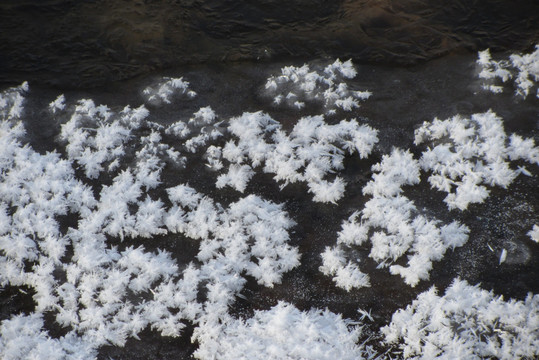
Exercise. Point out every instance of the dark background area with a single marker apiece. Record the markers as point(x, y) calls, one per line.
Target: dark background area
point(72, 43)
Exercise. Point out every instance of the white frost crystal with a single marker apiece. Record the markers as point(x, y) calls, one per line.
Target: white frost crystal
point(534, 233)
point(12, 102)
point(392, 223)
point(164, 90)
point(198, 130)
point(23, 337)
point(311, 151)
point(326, 86)
point(58, 104)
point(284, 332)
point(95, 136)
point(250, 235)
point(466, 323)
point(470, 154)
point(523, 68)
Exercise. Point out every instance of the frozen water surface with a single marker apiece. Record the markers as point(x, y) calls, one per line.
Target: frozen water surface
point(272, 210)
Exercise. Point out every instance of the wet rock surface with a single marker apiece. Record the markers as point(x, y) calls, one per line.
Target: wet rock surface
point(91, 43)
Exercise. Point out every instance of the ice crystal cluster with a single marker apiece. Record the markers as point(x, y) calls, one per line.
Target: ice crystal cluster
point(311, 151)
point(297, 85)
point(534, 233)
point(284, 332)
point(104, 294)
point(469, 153)
point(466, 323)
point(23, 338)
point(76, 225)
point(166, 89)
point(394, 226)
point(198, 131)
point(466, 156)
point(95, 137)
point(522, 68)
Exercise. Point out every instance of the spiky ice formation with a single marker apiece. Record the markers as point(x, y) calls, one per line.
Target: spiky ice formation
point(311, 151)
point(466, 323)
point(297, 85)
point(469, 153)
point(394, 226)
point(523, 68)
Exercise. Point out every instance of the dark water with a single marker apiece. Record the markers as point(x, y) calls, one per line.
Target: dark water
point(91, 43)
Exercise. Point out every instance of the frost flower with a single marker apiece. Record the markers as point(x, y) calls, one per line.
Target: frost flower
point(466, 323)
point(393, 225)
point(469, 154)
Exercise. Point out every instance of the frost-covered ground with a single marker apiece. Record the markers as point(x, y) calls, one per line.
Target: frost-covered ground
point(272, 211)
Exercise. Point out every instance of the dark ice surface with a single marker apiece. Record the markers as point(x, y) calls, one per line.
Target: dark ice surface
point(403, 97)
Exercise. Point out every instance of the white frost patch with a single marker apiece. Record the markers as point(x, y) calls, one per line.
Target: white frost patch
point(466, 323)
point(534, 233)
point(198, 131)
point(237, 177)
point(95, 136)
point(297, 85)
point(283, 332)
point(23, 337)
point(524, 69)
point(58, 104)
point(97, 139)
point(308, 154)
point(12, 102)
point(166, 89)
point(251, 235)
point(392, 223)
point(469, 154)
point(103, 293)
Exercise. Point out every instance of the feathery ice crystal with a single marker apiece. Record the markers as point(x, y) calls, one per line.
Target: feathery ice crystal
point(469, 153)
point(198, 131)
point(296, 85)
point(523, 68)
point(96, 137)
point(311, 151)
point(23, 338)
point(162, 92)
point(392, 223)
point(466, 323)
point(12, 102)
point(284, 332)
point(534, 233)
